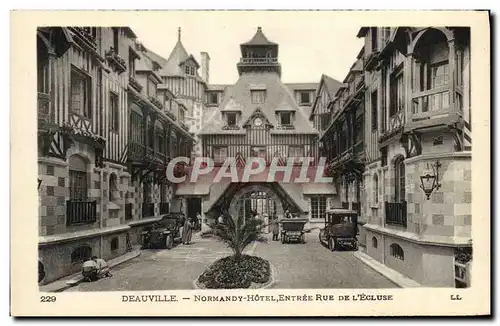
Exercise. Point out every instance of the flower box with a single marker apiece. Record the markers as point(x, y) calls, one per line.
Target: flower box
point(116, 61)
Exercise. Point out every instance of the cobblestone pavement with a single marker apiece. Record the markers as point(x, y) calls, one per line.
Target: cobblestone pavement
point(297, 266)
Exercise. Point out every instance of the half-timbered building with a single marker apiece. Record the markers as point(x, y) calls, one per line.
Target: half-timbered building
point(83, 75)
point(417, 128)
point(343, 138)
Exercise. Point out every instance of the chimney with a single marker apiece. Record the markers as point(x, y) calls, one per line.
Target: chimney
point(205, 66)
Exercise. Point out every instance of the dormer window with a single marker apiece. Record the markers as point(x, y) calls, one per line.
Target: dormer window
point(231, 118)
point(258, 96)
point(190, 70)
point(213, 98)
point(285, 118)
point(305, 98)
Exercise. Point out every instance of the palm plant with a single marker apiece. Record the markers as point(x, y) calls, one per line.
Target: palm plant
point(238, 233)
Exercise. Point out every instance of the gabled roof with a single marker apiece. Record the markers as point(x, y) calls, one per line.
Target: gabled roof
point(331, 86)
point(259, 39)
point(277, 96)
point(173, 65)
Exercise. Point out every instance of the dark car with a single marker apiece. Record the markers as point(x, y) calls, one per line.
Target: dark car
point(164, 233)
point(340, 229)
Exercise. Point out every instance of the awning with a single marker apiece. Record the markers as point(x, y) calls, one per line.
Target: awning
point(192, 189)
point(319, 188)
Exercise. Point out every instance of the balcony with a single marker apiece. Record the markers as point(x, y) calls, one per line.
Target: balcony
point(115, 60)
point(170, 115)
point(258, 61)
point(372, 60)
point(184, 126)
point(148, 210)
point(434, 107)
point(396, 123)
point(81, 212)
point(156, 102)
point(136, 152)
point(395, 213)
point(134, 84)
point(84, 35)
point(128, 212)
point(164, 208)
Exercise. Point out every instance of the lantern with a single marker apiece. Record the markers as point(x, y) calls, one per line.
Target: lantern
point(430, 179)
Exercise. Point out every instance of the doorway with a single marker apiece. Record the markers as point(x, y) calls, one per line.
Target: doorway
point(193, 208)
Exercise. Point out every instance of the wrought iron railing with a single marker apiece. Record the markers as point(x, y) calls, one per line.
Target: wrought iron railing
point(257, 61)
point(128, 211)
point(395, 213)
point(81, 212)
point(148, 209)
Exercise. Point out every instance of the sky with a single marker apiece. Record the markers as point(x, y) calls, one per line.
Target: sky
point(310, 43)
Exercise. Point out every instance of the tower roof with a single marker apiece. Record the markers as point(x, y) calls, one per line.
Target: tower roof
point(259, 39)
point(178, 56)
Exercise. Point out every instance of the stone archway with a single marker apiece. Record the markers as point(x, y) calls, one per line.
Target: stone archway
point(265, 192)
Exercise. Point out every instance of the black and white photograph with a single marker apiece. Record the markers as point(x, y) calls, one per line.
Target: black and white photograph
point(189, 153)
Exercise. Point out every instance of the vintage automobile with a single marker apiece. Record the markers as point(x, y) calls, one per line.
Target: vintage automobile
point(292, 229)
point(340, 229)
point(164, 233)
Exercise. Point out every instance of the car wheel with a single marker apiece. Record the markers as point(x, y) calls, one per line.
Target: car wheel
point(169, 242)
point(332, 244)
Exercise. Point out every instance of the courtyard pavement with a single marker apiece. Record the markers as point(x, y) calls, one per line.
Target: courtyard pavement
point(297, 266)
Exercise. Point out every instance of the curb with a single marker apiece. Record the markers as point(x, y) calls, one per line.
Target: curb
point(267, 285)
point(76, 279)
point(393, 276)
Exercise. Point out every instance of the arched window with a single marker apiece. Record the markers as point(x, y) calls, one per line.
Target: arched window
point(81, 254)
point(397, 252)
point(374, 242)
point(399, 169)
point(114, 244)
point(113, 187)
point(77, 178)
point(375, 189)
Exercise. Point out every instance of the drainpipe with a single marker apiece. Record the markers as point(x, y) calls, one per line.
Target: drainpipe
point(101, 211)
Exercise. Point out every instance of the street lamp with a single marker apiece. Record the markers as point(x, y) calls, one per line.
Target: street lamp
point(430, 179)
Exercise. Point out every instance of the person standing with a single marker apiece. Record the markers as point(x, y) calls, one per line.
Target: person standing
point(187, 232)
point(275, 229)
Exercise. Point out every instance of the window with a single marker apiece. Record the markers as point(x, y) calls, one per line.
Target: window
point(189, 70)
point(397, 252)
point(374, 39)
point(146, 192)
point(131, 64)
point(305, 98)
point(42, 67)
point(358, 129)
point(231, 118)
point(346, 188)
point(113, 111)
point(399, 169)
point(182, 114)
point(220, 155)
point(383, 101)
point(285, 118)
point(80, 93)
point(374, 242)
point(151, 88)
point(116, 45)
point(375, 189)
point(374, 103)
point(258, 97)
point(213, 98)
point(114, 244)
point(77, 178)
point(81, 254)
point(113, 187)
point(325, 120)
point(318, 207)
point(397, 92)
